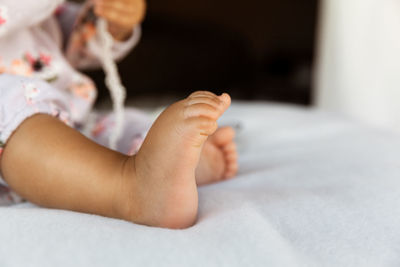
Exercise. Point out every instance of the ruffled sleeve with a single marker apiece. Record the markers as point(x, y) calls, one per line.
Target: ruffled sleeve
point(18, 14)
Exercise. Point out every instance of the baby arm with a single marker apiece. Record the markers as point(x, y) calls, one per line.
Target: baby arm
point(123, 17)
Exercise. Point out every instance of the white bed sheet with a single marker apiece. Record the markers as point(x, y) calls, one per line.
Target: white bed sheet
point(313, 190)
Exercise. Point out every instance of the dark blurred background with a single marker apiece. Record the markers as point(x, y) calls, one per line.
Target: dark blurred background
point(254, 49)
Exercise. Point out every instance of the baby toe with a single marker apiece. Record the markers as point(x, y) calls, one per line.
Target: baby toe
point(223, 137)
point(231, 170)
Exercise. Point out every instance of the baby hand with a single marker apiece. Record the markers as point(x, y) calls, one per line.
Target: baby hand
point(122, 15)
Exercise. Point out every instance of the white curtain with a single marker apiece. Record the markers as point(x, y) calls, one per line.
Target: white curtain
point(358, 60)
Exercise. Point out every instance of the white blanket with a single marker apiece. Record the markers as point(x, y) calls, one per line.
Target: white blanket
point(313, 190)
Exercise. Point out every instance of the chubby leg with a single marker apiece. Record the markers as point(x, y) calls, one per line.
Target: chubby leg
point(52, 165)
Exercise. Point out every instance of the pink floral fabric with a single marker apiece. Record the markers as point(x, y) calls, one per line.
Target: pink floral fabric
point(136, 125)
point(32, 41)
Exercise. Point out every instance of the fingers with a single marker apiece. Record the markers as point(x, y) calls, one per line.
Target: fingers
point(124, 13)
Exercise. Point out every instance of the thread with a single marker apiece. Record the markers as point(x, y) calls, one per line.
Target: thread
point(112, 81)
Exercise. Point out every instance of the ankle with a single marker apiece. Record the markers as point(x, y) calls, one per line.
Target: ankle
point(122, 200)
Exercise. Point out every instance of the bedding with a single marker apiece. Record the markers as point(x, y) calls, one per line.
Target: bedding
point(314, 189)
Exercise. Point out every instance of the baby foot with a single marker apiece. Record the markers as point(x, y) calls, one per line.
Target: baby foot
point(218, 160)
point(160, 178)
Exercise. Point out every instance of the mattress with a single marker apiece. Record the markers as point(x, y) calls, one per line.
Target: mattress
point(314, 189)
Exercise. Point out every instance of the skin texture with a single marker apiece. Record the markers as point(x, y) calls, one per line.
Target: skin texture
point(55, 166)
point(122, 15)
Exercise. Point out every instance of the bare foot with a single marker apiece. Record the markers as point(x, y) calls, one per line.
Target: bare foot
point(160, 178)
point(218, 159)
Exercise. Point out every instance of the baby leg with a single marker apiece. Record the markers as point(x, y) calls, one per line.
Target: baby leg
point(55, 166)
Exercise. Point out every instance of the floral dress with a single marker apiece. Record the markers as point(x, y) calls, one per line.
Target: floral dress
point(43, 44)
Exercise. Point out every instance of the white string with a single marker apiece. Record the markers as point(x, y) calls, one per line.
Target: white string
point(112, 81)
